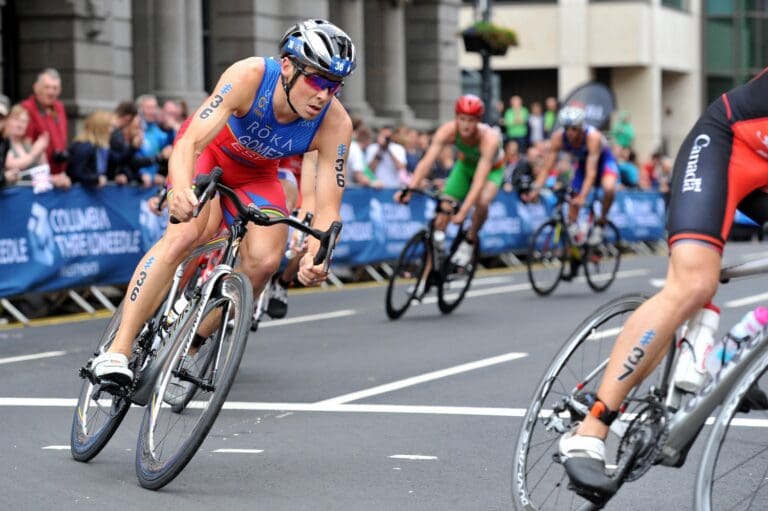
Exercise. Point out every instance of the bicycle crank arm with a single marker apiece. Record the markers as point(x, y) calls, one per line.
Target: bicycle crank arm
point(199, 382)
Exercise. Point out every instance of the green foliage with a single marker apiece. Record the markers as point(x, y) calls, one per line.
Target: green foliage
point(496, 37)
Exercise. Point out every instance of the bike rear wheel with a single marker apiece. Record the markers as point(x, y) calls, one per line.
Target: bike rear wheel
point(406, 279)
point(733, 470)
point(547, 254)
point(539, 482)
point(601, 261)
point(97, 414)
point(168, 440)
point(456, 279)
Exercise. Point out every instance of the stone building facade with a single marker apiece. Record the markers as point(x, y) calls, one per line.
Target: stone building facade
point(112, 50)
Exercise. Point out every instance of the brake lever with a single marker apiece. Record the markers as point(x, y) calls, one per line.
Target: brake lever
point(327, 246)
point(210, 188)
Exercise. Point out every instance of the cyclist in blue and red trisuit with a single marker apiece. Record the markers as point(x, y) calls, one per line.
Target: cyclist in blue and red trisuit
point(721, 165)
point(596, 166)
point(262, 109)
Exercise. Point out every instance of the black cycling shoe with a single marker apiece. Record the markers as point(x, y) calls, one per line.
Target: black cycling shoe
point(277, 305)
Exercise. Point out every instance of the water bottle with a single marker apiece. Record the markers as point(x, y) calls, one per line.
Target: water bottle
point(696, 345)
point(749, 326)
point(177, 308)
point(438, 242)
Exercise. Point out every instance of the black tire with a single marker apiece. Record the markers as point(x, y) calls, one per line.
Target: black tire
point(407, 275)
point(733, 468)
point(180, 435)
point(455, 280)
point(547, 254)
point(601, 261)
point(94, 422)
point(539, 482)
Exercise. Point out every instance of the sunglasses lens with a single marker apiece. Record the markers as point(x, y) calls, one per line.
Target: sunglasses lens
point(318, 82)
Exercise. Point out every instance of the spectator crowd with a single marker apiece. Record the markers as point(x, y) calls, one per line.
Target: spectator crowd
point(132, 144)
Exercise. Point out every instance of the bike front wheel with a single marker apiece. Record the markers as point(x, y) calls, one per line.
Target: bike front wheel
point(407, 280)
point(547, 254)
point(97, 414)
point(601, 260)
point(562, 400)
point(456, 278)
point(174, 427)
point(733, 470)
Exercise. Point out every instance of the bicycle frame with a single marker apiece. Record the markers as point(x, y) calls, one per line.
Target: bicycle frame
point(686, 422)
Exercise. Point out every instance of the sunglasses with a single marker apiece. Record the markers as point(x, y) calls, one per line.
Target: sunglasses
point(319, 82)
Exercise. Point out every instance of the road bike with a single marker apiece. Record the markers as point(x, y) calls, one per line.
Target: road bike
point(553, 256)
point(421, 266)
point(657, 424)
point(180, 377)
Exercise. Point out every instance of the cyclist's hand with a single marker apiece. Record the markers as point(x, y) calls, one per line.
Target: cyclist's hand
point(459, 217)
point(295, 246)
point(531, 195)
point(577, 201)
point(401, 197)
point(309, 273)
point(182, 203)
point(153, 203)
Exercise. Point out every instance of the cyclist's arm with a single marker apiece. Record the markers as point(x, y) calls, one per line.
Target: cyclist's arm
point(443, 136)
point(308, 176)
point(594, 146)
point(555, 145)
point(332, 144)
point(233, 94)
point(490, 142)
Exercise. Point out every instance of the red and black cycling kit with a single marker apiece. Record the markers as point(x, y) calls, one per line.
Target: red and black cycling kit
point(248, 148)
point(722, 165)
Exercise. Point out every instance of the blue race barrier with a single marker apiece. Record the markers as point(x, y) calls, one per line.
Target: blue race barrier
point(65, 239)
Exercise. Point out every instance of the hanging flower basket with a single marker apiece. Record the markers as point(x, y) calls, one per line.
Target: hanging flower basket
point(486, 36)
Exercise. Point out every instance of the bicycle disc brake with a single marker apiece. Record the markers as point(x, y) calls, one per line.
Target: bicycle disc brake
point(649, 430)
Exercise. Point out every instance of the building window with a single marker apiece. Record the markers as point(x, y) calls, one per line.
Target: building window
point(675, 4)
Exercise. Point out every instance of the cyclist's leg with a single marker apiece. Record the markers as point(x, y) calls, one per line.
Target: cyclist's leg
point(692, 278)
point(151, 279)
point(488, 193)
point(607, 183)
point(290, 188)
point(456, 187)
point(263, 247)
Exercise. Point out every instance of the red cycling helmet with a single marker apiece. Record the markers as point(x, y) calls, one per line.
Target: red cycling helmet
point(469, 104)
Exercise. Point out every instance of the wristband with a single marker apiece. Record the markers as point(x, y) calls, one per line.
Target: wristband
point(169, 193)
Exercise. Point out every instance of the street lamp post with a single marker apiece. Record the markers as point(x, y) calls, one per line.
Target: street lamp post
point(484, 6)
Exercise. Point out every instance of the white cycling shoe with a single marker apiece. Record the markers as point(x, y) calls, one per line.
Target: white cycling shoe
point(112, 366)
point(572, 445)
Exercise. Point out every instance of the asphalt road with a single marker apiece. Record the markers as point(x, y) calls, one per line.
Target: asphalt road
point(431, 439)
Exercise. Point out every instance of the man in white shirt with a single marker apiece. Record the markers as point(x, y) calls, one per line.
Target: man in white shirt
point(387, 159)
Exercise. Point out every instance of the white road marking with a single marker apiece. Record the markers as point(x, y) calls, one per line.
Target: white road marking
point(747, 300)
point(412, 457)
point(239, 451)
point(484, 281)
point(523, 287)
point(658, 282)
point(35, 356)
point(56, 448)
point(310, 317)
point(415, 380)
point(343, 408)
